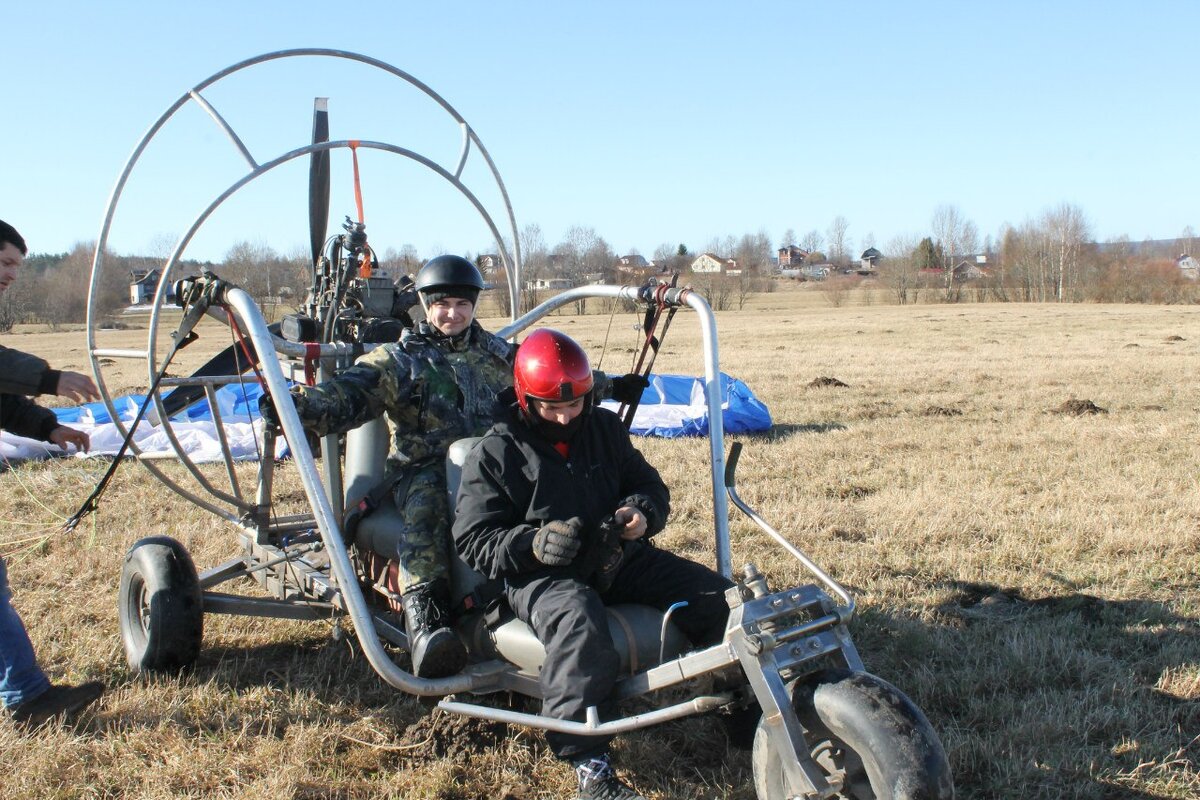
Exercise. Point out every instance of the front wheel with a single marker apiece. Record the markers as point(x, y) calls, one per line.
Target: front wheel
point(161, 606)
point(865, 735)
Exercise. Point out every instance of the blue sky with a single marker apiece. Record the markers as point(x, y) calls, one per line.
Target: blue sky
point(652, 123)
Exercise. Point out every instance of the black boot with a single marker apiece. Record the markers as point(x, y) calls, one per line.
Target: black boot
point(598, 781)
point(435, 648)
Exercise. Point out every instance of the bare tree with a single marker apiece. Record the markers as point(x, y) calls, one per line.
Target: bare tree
point(1186, 244)
point(789, 239)
point(838, 244)
point(405, 261)
point(812, 241)
point(62, 287)
point(663, 255)
point(716, 288)
point(836, 288)
point(954, 233)
point(1066, 229)
point(753, 252)
point(901, 272)
point(583, 253)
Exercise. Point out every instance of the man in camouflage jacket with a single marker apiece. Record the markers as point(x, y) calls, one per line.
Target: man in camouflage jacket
point(437, 384)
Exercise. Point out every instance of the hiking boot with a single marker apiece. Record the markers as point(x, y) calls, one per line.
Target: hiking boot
point(436, 650)
point(598, 781)
point(57, 701)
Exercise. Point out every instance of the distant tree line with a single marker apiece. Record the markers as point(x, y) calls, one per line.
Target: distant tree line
point(1048, 258)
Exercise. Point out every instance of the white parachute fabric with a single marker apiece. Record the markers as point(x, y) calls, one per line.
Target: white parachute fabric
point(195, 429)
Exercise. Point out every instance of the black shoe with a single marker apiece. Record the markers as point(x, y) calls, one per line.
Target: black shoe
point(436, 650)
point(598, 781)
point(56, 701)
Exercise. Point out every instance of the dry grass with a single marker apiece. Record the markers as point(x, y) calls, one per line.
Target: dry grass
point(1028, 577)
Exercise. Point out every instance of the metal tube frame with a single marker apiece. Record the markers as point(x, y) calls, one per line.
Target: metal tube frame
point(339, 591)
point(470, 142)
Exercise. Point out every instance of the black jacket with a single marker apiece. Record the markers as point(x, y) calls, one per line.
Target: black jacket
point(22, 374)
point(514, 482)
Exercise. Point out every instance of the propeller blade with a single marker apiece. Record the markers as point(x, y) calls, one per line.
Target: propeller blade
point(229, 361)
point(318, 180)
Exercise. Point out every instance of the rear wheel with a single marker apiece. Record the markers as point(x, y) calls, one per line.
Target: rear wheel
point(865, 735)
point(161, 606)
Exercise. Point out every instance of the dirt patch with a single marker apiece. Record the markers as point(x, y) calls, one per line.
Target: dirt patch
point(1131, 344)
point(440, 735)
point(826, 382)
point(941, 411)
point(846, 535)
point(1077, 408)
point(1174, 338)
point(849, 492)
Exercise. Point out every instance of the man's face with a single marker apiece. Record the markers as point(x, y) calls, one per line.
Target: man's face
point(451, 315)
point(559, 413)
point(10, 262)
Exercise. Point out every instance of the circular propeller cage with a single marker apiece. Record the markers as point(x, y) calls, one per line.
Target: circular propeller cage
point(234, 503)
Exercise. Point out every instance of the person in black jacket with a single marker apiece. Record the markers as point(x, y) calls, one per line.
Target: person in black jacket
point(558, 503)
point(25, 690)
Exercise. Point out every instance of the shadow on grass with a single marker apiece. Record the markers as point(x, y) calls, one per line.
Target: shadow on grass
point(1034, 697)
point(784, 430)
point(1064, 696)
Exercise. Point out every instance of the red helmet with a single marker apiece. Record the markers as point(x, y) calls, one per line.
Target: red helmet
point(550, 366)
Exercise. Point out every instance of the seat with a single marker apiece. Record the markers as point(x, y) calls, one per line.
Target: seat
point(637, 630)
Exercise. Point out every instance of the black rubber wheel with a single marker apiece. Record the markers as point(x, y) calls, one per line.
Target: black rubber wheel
point(161, 607)
point(865, 732)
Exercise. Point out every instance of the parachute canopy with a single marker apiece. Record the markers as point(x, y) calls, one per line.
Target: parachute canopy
point(673, 406)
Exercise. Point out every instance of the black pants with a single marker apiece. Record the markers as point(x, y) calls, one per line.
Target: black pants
point(568, 617)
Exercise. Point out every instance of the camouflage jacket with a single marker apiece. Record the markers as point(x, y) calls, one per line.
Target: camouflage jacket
point(434, 390)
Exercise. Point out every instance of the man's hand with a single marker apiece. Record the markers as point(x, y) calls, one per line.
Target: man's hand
point(557, 543)
point(633, 520)
point(628, 388)
point(77, 387)
point(63, 436)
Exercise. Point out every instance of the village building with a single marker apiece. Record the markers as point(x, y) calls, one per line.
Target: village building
point(710, 263)
point(143, 284)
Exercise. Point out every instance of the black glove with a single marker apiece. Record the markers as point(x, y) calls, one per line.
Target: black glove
point(612, 553)
point(557, 543)
point(628, 389)
point(266, 410)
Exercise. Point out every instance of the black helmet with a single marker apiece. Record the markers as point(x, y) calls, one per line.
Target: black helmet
point(449, 276)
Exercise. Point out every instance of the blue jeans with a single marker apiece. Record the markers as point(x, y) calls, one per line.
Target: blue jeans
point(21, 679)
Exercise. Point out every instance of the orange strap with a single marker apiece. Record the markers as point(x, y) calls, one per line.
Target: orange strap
point(364, 269)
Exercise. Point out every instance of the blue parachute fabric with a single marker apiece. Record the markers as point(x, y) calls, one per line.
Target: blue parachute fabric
point(237, 403)
point(673, 406)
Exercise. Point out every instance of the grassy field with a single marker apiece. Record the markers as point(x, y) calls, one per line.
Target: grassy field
point(1027, 576)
